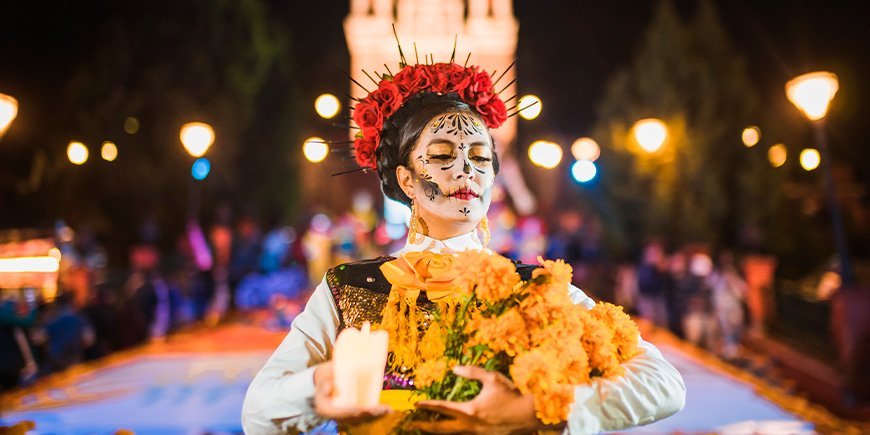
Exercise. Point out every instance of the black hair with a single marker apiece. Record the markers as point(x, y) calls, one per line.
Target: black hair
point(402, 130)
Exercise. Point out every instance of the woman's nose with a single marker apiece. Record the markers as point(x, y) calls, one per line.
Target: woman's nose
point(466, 172)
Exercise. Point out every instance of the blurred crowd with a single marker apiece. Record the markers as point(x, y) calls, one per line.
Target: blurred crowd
point(238, 263)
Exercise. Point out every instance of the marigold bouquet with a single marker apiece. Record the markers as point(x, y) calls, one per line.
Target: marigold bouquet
point(530, 331)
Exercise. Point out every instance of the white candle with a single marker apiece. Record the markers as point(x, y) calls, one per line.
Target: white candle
point(359, 358)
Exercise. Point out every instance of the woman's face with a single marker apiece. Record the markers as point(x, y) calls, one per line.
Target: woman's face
point(452, 169)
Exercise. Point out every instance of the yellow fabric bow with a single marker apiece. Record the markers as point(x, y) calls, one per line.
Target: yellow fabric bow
point(414, 272)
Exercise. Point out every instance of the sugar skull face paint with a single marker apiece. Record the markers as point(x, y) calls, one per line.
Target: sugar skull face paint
point(452, 166)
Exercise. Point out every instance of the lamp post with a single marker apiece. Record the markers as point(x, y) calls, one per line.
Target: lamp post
point(812, 93)
point(8, 112)
point(650, 134)
point(196, 137)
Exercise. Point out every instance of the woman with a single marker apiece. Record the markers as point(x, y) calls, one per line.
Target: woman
point(426, 132)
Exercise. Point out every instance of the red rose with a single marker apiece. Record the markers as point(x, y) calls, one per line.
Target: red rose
point(411, 79)
point(480, 83)
point(364, 152)
point(388, 97)
point(367, 113)
point(492, 109)
point(437, 78)
point(459, 80)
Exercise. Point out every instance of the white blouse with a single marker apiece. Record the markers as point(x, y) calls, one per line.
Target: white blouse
point(280, 398)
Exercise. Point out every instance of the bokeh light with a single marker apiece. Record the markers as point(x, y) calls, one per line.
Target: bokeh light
point(585, 148)
point(320, 223)
point(810, 159)
point(196, 137)
point(131, 125)
point(650, 134)
point(77, 153)
point(777, 155)
point(109, 151)
point(530, 106)
point(315, 149)
point(200, 168)
point(55, 253)
point(583, 171)
point(327, 106)
point(8, 111)
point(545, 154)
point(751, 136)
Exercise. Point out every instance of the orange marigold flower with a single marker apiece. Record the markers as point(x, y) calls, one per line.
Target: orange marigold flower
point(430, 372)
point(560, 271)
point(533, 371)
point(553, 406)
point(506, 333)
point(598, 344)
point(625, 331)
point(491, 276)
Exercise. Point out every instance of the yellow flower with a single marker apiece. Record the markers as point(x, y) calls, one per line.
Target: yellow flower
point(625, 331)
point(430, 372)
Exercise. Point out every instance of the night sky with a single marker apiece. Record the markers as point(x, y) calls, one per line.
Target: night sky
point(567, 52)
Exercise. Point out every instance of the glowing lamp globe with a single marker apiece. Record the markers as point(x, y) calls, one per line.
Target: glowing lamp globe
point(545, 154)
point(810, 159)
point(196, 137)
point(315, 149)
point(650, 134)
point(529, 106)
point(8, 112)
point(77, 153)
point(327, 106)
point(812, 93)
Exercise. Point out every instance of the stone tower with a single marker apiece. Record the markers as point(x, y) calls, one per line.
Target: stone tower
point(485, 28)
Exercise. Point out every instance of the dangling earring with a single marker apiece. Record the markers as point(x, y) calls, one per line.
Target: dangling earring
point(418, 227)
point(483, 226)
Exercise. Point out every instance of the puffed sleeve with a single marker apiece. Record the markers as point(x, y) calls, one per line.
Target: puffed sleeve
point(280, 398)
point(650, 389)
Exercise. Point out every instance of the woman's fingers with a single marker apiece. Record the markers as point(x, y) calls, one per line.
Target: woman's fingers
point(486, 377)
point(453, 409)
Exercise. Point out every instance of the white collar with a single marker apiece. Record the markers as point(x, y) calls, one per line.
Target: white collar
point(462, 242)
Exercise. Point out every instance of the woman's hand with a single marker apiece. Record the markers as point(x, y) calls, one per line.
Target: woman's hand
point(324, 406)
point(499, 408)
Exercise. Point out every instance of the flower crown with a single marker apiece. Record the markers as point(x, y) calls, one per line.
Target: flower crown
point(472, 85)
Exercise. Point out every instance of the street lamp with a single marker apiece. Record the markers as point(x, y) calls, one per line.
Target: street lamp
point(8, 112)
point(812, 93)
point(196, 138)
point(650, 134)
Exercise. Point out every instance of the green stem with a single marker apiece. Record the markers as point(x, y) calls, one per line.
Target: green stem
point(460, 382)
